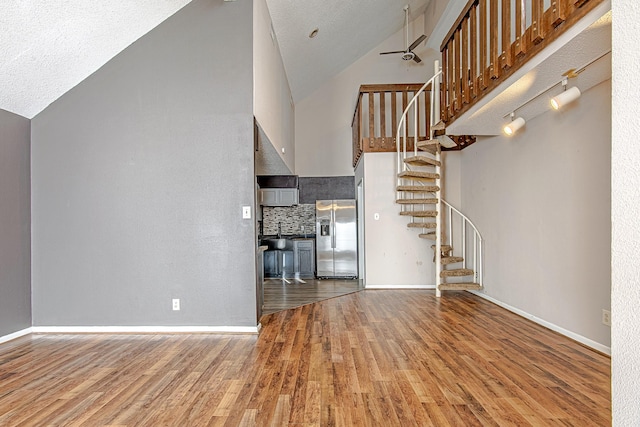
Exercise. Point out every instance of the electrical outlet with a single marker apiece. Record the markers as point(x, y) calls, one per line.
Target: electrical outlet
point(176, 304)
point(606, 317)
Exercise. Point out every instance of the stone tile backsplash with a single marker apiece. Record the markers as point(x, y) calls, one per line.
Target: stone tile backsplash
point(292, 218)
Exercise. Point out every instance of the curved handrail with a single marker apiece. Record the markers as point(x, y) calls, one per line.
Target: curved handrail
point(477, 241)
point(462, 215)
point(403, 122)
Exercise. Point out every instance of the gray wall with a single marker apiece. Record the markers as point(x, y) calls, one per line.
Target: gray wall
point(140, 175)
point(15, 223)
point(542, 200)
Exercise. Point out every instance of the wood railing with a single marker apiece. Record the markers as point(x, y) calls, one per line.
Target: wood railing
point(377, 113)
point(491, 39)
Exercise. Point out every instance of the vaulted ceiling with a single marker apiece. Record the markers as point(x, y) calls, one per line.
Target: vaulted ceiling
point(346, 31)
point(49, 46)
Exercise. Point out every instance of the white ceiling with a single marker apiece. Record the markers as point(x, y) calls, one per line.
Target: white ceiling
point(346, 31)
point(49, 46)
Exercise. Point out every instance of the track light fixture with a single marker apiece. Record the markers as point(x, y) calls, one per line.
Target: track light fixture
point(516, 123)
point(566, 97)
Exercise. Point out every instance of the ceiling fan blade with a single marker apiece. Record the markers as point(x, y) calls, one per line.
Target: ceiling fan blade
point(395, 51)
point(417, 42)
point(416, 58)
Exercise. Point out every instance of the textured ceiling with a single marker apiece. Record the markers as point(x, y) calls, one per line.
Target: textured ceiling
point(49, 46)
point(346, 31)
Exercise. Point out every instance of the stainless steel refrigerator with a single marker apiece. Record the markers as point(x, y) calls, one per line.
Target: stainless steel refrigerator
point(336, 238)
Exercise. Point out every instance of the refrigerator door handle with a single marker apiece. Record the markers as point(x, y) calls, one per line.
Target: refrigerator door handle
point(333, 225)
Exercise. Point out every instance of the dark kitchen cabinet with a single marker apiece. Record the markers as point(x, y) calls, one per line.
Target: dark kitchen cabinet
point(304, 259)
point(277, 262)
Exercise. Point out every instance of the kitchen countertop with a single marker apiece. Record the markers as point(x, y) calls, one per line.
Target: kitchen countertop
point(289, 236)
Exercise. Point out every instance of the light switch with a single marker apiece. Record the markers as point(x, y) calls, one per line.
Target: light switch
point(246, 212)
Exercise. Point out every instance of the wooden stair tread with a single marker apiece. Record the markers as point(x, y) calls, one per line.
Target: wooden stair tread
point(450, 260)
point(443, 248)
point(419, 175)
point(419, 188)
point(457, 272)
point(459, 286)
point(425, 142)
point(417, 201)
point(427, 146)
point(422, 214)
point(422, 161)
point(421, 225)
point(429, 236)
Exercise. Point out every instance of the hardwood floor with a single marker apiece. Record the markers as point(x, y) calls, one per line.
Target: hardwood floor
point(371, 358)
point(282, 294)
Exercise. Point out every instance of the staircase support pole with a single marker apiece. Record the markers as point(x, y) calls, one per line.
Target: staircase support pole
point(435, 109)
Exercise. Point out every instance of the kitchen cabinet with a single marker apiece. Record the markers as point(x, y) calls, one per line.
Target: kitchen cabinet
point(304, 258)
point(278, 263)
point(278, 196)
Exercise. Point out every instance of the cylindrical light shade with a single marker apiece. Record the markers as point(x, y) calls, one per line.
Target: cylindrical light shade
point(512, 127)
point(565, 97)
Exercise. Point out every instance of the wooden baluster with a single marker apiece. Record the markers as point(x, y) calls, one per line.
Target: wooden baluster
point(427, 112)
point(394, 115)
point(558, 12)
point(457, 71)
point(417, 125)
point(383, 119)
point(494, 56)
point(360, 124)
point(474, 50)
point(451, 105)
point(451, 79)
point(537, 23)
point(506, 59)
point(521, 24)
point(444, 86)
point(371, 120)
point(464, 75)
point(406, 122)
point(482, 84)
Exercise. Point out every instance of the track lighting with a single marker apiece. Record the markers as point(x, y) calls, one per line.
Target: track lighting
point(566, 97)
point(515, 124)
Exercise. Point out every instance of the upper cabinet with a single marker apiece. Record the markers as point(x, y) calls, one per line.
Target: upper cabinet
point(278, 196)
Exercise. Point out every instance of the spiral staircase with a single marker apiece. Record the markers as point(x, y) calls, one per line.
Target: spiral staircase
point(458, 245)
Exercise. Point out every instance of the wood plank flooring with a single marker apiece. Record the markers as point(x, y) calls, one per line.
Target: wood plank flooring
point(282, 294)
point(371, 358)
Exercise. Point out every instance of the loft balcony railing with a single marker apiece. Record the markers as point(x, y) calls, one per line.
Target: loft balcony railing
point(378, 112)
point(491, 39)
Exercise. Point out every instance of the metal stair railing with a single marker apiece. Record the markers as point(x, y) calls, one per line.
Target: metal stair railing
point(472, 247)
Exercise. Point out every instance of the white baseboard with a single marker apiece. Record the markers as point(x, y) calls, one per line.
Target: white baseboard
point(145, 329)
point(579, 338)
point(15, 335)
point(399, 287)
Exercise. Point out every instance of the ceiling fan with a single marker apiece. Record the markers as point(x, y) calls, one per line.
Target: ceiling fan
point(408, 54)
